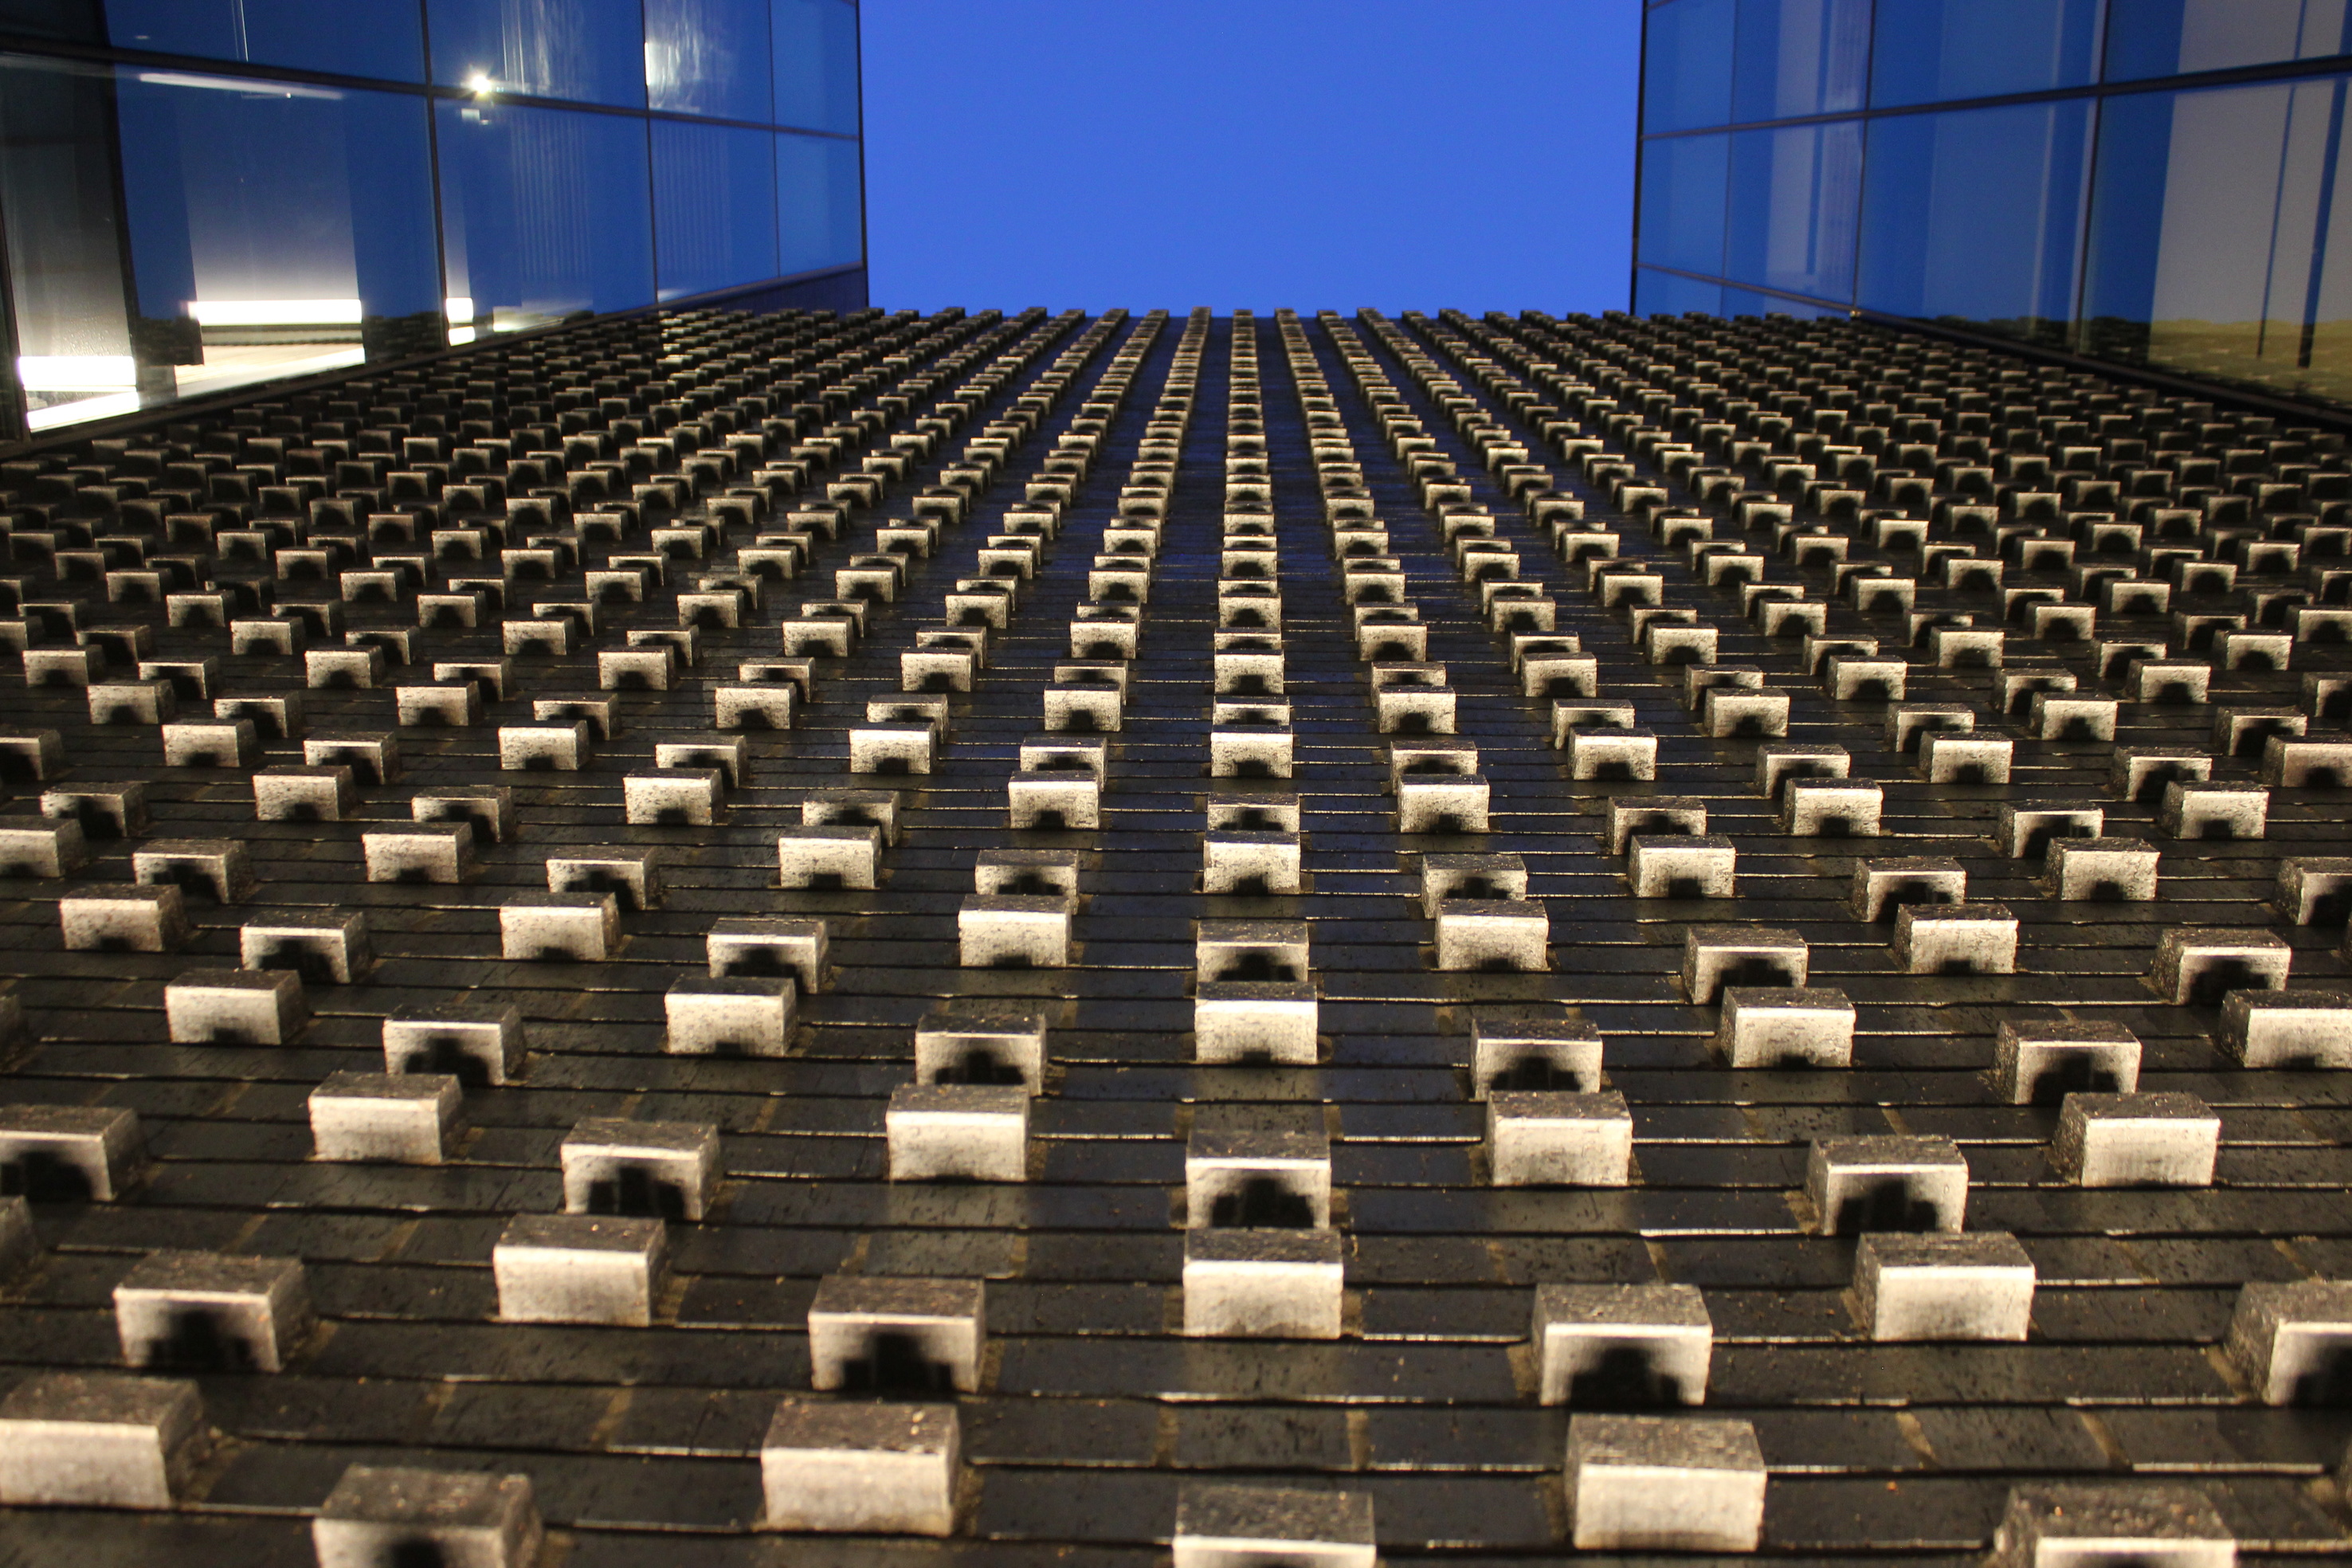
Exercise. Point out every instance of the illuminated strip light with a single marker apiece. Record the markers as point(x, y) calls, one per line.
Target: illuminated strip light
point(76, 372)
point(232, 84)
point(275, 312)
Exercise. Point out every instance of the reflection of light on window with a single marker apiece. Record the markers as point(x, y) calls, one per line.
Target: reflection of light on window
point(274, 313)
point(76, 372)
point(481, 84)
point(87, 408)
point(661, 68)
point(458, 308)
point(231, 84)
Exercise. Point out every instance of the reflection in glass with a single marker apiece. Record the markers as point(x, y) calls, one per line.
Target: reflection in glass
point(1801, 56)
point(714, 207)
point(275, 229)
point(1665, 294)
point(544, 212)
point(1682, 202)
point(2167, 38)
point(817, 65)
point(1748, 302)
point(1928, 51)
point(709, 56)
point(590, 51)
point(1686, 65)
point(820, 211)
point(1790, 221)
point(2219, 239)
point(1971, 216)
point(352, 37)
point(64, 245)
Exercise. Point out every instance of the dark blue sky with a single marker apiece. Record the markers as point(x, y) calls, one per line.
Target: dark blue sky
point(1316, 153)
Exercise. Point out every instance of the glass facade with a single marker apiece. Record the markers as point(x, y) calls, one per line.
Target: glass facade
point(2154, 182)
point(198, 194)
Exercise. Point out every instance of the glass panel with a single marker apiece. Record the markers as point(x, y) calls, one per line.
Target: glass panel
point(274, 229)
point(544, 211)
point(351, 37)
point(1790, 221)
point(1686, 65)
point(1801, 56)
point(1926, 51)
point(60, 202)
point(820, 208)
point(2165, 38)
point(1682, 202)
point(2219, 235)
point(591, 51)
point(1668, 294)
point(714, 205)
point(1748, 302)
point(709, 56)
point(817, 65)
point(1971, 216)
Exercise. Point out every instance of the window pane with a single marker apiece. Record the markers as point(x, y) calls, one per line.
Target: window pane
point(591, 51)
point(817, 65)
point(544, 211)
point(78, 21)
point(1972, 216)
point(1801, 56)
point(2166, 37)
point(820, 211)
point(2222, 235)
point(1682, 202)
point(1790, 221)
point(1686, 65)
point(709, 56)
point(1926, 51)
point(275, 229)
point(1667, 294)
point(1746, 302)
point(714, 207)
point(57, 193)
point(352, 38)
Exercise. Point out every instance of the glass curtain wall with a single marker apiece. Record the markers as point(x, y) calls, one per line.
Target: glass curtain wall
point(2155, 182)
point(197, 194)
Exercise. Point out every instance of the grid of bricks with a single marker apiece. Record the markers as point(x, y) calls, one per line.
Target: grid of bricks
point(1773, 816)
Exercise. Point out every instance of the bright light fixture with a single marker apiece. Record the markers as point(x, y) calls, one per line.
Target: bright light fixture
point(275, 312)
point(76, 372)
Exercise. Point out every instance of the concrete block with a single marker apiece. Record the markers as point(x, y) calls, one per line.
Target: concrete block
point(2136, 1140)
point(580, 1269)
point(205, 1312)
point(234, 1006)
point(974, 1040)
point(1508, 934)
point(379, 1515)
point(217, 868)
point(963, 1131)
point(442, 852)
point(97, 1440)
point(1977, 1286)
point(2202, 966)
point(1881, 887)
point(844, 857)
point(2026, 832)
point(1948, 757)
point(1647, 1483)
point(1257, 1180)
point(861, 1469)
point(2038, 1063)
point(742, 945)
point(747, 1017)
point(1656, 816)
point(1955, 939)
point(1263, 1284)
point(1250, 864)
point(70, 1153)
point(1014, 931)
point(1551, 1139)
point(896, 1336)
point(1250, 1526)
point(1832, 808)
point(558, 928)
point(404, 1119)
point(2292, 1341)
point(1621, 1344)
point(1536, 1054)
point(667, 1170)
point(2297, 1030)
point(1705, 866)
point(1874, 1182)
point(1716, 956)
point(472, 1042)
point(2112, 1525)
point(40, 847)
point(875, 808)
point(2121, 870)
point(2192, 810)
point(101, 810)
point(1778, 765)
point(1774, 1027)
point(303, 794)
point(1614, 752)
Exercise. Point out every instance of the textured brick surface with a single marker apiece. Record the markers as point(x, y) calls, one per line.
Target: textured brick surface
point(1796, 448)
